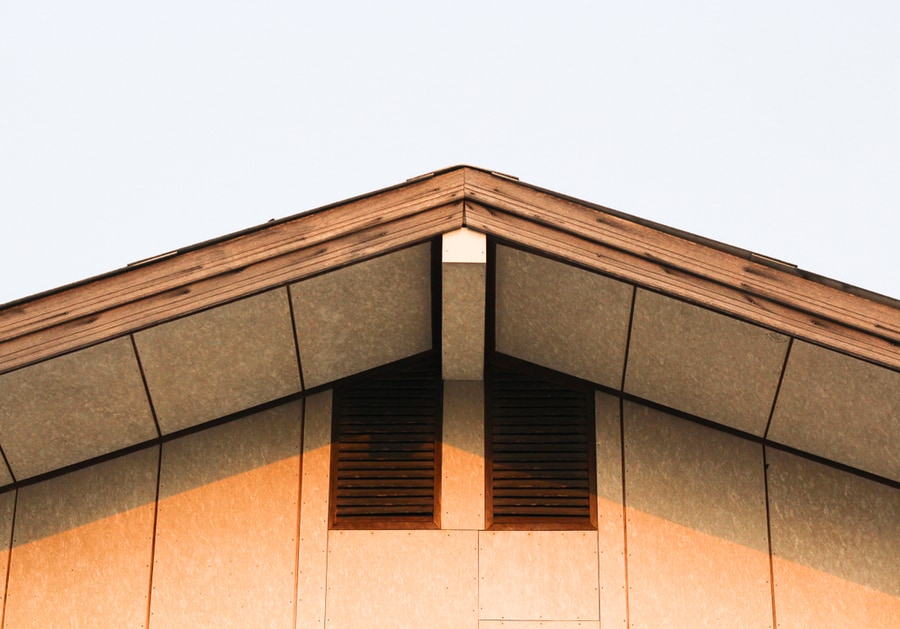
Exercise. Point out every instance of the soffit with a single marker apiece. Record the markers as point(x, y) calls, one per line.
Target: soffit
point(687, 270)
point(270, 256)
point(698, 362)
point(839, 408)
point(708, 328)
point(703, 363)
point(73, 408)
point(220, 361)
point(213, 363)
point(561, 317)
point(729, 280)
point(363, 316)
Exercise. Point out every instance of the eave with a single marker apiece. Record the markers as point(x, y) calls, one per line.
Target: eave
point(137, 324)
point(725, 279)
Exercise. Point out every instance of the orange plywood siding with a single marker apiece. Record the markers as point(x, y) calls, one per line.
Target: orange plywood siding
point(227, 524)
point(82, 547)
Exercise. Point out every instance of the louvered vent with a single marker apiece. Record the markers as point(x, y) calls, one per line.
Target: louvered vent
point(541, 442)
point(385, 458)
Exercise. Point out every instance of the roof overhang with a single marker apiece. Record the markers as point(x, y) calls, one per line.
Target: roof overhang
point(666, 271)
point(732, 281)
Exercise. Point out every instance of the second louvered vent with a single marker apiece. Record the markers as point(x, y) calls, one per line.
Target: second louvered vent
point(385, 457)
point(540, 438)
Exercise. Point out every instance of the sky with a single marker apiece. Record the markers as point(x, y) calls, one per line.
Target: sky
point(128, 129)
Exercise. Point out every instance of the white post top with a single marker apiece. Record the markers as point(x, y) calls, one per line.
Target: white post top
point(464, 245)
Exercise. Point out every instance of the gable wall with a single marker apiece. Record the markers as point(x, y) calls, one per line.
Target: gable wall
point(228, 527)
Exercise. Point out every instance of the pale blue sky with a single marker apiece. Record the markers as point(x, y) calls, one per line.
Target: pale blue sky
point(128, 129)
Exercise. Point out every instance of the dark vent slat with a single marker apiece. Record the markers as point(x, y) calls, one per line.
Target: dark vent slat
point(408, 477)
point(546, 495)
point(538, 437)
point(540, 471)
point(507, 487)
point(386, 427)
point(421, 437)
point(547, 455)
point(537, 412)
point(389, 425)
point(399, 444)
point(399, 485)
point(422, 471)
point(386, 460)
point(535, 428)
point(385, 498)
point(378, 427)
point(390, 479)
point(370, 465)
point(536, 462)
point(541, 440)
point(550, 444)
point(394, 413)
point(425, 512)
point(575, 502)
point(542, 512)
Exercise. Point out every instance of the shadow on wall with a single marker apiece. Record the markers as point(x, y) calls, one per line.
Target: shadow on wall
point(700, 507)
point(228, 505)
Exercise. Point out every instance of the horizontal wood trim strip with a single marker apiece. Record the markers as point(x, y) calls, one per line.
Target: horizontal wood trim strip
point(379, 465)
point(525, 478)
point(551, 511)
point(688, 286)
point(384, 497)
point(376, 508)
point(533, 486)
point(386, 478)
point(215, 290)
point(690, 257)
point(539, 465)
point(542, 499)
point(386, 521)
point(369, 214)
point(411, 442)
point(527, 457)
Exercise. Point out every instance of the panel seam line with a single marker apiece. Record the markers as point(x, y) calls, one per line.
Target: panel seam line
point(12, 537)
point(153, 539)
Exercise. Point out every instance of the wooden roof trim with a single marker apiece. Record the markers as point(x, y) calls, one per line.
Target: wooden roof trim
point(709, 243)
point(677, 253)
point(222, 288)
point(290, 249)
point(169, 273)
point(693, 288)
point(198, 290)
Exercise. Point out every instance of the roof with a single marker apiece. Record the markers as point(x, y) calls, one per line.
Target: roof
point(728, 336)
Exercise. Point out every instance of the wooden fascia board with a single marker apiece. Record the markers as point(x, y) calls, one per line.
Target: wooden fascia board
point(425, 207)
point(686, 269)
point(175, 286)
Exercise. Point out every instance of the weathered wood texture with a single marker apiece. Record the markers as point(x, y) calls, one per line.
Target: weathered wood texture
point(683, 268)
point(297, 248)
point(223, 271)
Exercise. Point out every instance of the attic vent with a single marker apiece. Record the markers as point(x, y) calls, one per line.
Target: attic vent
point(541, 444)
point(385, 448)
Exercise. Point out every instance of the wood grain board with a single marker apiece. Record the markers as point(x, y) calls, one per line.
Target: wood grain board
point(605, 241)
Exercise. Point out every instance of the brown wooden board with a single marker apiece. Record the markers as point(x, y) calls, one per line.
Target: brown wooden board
point(672, 251)
point(736, 301)
point(196, 295)
point(708, 274)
